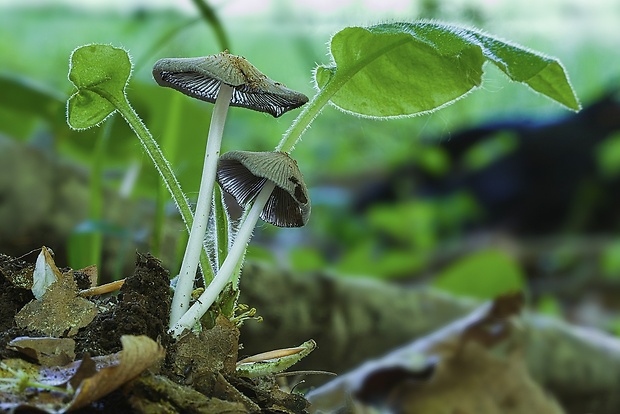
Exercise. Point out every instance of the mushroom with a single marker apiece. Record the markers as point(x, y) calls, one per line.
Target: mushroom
point(201, 78)
point(243, 174)
point(226, 80)
point(269, 185)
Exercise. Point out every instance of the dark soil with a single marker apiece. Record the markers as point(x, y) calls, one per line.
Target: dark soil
point(142, 307)
point(198, 372)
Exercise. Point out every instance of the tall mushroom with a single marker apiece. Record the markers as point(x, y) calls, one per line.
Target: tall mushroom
point(272, 187)
point(227, 80)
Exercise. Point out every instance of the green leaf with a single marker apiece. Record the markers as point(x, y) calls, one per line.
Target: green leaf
point(405, 69)
point(485, 274)
point(100, 73)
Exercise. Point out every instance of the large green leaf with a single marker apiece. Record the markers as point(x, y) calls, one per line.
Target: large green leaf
point(100, 73)
point(404, 69)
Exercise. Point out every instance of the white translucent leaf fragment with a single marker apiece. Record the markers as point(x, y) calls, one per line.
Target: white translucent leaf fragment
point(45, 273)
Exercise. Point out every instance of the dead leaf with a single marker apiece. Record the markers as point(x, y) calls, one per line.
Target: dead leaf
point(90, 378)
point(86, 369)
point(139, 353)
point(59, 312)
point(476, 382)
point(473, 366)
point(46, 350)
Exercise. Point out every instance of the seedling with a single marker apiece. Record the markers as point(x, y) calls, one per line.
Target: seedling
point(375, 72)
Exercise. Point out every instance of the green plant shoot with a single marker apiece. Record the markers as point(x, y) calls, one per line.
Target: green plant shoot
point(100, 73)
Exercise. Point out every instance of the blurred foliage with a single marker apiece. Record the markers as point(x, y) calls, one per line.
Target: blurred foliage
point(389, 241)
point(484, 274)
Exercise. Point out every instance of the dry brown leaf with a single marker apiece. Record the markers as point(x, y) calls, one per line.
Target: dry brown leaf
point(475, 382)
point(473, 366)
point(59, 312)
point(94, 378)
point(46, 350)
point(86, 369)
point(139, 353)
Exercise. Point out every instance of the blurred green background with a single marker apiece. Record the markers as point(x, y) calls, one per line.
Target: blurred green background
point(60, 187)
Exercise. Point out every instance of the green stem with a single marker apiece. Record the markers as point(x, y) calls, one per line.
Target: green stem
point(209, 15)
point(306, 116)
point(161, 164)
point(322, 97)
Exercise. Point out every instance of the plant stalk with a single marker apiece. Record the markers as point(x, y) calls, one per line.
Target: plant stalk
point(195, 243)
point(306, 116)
point(161, 164)
point(236, 252)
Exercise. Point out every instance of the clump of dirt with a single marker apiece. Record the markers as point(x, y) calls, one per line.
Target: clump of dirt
point(198, 374)
point(141, 308)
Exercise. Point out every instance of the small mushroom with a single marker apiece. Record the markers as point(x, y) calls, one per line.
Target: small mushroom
point(202, 77)
point(272, 184)
point(226, 80)
point(243, 174)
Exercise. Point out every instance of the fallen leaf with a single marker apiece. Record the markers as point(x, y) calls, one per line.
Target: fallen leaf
point(86, 369)
point(46, 350)
point(60, 311)
point(472, 366)
point(139, 353)
point(88, 379)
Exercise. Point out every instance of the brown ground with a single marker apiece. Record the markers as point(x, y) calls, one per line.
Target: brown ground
point(198, 372)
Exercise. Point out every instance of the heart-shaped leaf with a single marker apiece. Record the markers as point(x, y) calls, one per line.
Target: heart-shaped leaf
point(405, 69)
point(100, 73)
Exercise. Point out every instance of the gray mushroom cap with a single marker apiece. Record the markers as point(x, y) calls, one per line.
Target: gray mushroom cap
point(242, 174)
point(201, 78)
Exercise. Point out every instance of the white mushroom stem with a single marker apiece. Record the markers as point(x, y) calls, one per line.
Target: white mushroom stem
point(236, 252)
point(187, 273)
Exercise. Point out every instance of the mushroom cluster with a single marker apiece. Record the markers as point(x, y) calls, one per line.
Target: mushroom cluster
point(229, 80)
